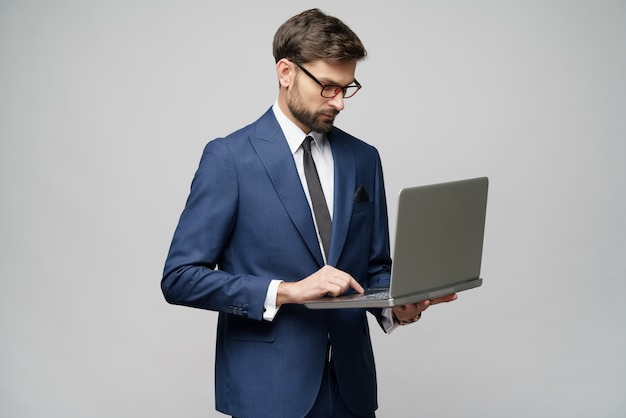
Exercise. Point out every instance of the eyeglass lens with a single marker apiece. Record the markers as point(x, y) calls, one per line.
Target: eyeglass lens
point(332, 91)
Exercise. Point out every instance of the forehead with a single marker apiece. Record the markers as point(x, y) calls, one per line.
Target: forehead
point(340, 73)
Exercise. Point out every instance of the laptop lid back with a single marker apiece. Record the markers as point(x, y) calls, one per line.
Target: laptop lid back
point(439, 235)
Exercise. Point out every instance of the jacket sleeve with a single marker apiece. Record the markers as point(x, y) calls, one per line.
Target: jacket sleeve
point(191, 277)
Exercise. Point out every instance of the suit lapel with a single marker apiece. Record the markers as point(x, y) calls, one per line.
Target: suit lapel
point(345, 182)
point(271, 146)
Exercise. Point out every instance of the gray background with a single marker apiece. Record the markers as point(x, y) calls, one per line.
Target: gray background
point(105, 108)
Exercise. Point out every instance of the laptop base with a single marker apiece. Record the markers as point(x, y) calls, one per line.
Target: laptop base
point(365, 300)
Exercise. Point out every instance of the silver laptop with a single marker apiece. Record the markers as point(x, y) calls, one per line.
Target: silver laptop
point(438, 247)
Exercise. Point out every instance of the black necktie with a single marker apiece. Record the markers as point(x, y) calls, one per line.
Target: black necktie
point(320, 208)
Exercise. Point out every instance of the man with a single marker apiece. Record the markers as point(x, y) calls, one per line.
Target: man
point(250, 246)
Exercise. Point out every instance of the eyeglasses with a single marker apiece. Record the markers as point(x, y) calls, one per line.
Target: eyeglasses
point(329, 90)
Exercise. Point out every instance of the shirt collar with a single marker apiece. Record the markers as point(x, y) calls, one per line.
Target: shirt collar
point(294, 134)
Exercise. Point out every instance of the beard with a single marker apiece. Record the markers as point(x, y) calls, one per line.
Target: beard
point(313, 120)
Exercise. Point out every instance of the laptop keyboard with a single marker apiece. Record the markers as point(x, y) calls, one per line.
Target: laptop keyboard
point(383, 294)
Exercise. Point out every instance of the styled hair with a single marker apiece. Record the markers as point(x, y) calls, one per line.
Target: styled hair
point(313, 35)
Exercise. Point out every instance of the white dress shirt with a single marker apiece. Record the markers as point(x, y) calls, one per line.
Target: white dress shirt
point(323, 157)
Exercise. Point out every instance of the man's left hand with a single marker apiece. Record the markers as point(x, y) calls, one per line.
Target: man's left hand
point(412, 310)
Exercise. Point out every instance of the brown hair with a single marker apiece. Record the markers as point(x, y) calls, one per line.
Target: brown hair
point(313, 35)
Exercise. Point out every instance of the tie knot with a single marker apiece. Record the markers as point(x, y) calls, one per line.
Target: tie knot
point(306, 144)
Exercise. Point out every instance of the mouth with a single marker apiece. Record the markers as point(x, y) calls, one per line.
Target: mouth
point(330, 116)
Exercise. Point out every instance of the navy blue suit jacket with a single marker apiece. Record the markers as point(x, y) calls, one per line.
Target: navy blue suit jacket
point(246, 222)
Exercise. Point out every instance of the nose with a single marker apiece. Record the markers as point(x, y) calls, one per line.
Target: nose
point(337, 101)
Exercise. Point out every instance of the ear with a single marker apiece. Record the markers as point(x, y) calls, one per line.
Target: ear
point(284, 70)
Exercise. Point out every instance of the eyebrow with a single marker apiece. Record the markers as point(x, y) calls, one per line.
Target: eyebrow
point(330, 82)
point(334, 83)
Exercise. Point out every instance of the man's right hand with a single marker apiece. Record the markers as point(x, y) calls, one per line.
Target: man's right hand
point(327, 281)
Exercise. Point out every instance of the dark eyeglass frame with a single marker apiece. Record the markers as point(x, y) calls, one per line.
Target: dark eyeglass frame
point(337, 89)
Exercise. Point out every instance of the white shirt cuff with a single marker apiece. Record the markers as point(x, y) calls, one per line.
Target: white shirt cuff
point(269, 307)
point(387, 320)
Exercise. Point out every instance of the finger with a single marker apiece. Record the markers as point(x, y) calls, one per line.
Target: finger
point(423, 305)
point(442, 299)
point(356, 285)
point(408, 310)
